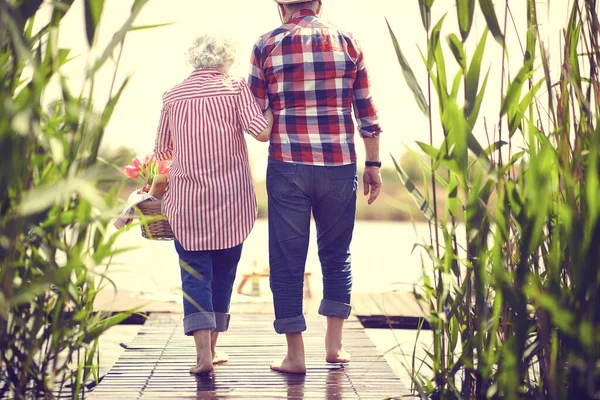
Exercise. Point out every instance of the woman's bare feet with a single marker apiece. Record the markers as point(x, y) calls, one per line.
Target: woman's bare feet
point(219, 357)
point(294, 362)
point(290, 366)
point(204, 354)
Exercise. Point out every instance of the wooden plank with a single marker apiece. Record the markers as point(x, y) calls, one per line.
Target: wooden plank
point(156, 365)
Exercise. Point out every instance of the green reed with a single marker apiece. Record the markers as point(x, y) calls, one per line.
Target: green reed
point(520, 292)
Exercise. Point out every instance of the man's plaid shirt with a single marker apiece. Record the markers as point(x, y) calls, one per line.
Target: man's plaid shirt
point(312, 75)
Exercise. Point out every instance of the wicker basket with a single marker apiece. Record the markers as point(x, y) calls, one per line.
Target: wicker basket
point(158, 228)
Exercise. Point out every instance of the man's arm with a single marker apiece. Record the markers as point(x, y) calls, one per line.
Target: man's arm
point(368, 126)
point(256, 78)
point(371, 177)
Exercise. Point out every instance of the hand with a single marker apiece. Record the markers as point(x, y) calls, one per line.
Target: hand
point(159, 185)
point(372, 183)
point(268, 114)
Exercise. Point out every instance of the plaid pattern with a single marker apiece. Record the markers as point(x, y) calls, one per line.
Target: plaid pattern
point(312, 75)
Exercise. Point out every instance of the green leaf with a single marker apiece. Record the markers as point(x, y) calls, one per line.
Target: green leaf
point(474, 112)
point(487, 8)
point(472, 81)
point(456, 84)
point(458, 51)
point(409, 76)
point(514, 90)
point(456, 125)
point(465, 10)
point(118, 37)
point(425, 9)
point(106, 323)
point(143, 27)
point(438, 56)
point(93, 11)
point(414, 192)
point(515, 116)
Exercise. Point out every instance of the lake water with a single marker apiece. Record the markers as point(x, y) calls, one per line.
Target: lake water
point(382, 259)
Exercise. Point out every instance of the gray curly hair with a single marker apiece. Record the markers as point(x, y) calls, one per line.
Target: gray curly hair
point(210, 51)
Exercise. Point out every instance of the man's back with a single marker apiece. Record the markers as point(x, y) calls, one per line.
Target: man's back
point(311, 74)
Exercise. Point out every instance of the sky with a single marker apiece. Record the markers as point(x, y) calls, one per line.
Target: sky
point(155, 59)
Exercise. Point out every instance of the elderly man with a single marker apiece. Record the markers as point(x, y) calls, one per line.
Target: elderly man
point(312, 74)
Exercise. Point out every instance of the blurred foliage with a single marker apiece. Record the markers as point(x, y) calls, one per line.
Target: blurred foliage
point(517, 285)
point(54, 248)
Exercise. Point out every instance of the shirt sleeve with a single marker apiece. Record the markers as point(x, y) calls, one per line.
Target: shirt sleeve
point(364, 108)
point(256, 78)
point(250, 115)
point(163, 147)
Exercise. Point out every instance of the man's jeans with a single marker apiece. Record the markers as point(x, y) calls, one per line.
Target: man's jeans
point(207, 282)
point(330, 193)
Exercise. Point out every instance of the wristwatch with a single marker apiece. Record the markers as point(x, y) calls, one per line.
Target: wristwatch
point(373, 164)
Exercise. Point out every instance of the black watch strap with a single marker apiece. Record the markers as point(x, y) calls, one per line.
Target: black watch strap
point(373, 164)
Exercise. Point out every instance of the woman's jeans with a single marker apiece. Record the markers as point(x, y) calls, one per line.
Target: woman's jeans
point(207, 282)
point(294, 190)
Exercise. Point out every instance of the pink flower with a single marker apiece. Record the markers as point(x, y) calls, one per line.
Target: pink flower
point(137, 162)
point(147, 159)
point(164, 167)
point(132, 172)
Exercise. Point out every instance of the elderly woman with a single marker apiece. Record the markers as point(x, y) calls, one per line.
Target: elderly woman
point(210, 202)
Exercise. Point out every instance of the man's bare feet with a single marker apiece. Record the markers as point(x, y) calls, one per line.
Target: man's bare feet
point(334, 350)
point(340, 356)
point(289, 366)
point(293, 363)
point(202, 367)
point(220, 357)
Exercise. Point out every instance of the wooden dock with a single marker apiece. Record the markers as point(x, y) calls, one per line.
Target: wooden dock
point(155, 365)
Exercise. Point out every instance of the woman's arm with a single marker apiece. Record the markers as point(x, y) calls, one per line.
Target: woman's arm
point(265, 135)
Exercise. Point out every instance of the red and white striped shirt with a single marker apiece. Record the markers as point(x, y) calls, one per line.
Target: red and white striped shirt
point(210, 203)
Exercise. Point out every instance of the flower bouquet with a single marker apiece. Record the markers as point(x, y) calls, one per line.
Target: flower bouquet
point(154, 175)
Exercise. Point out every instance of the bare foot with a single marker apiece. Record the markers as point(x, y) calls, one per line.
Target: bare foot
point(220, 357)
point(202, 367)
point(340, 356)
point(289, 366)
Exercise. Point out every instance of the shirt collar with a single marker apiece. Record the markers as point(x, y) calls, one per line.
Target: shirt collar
point(205, 72)
point(303, 13)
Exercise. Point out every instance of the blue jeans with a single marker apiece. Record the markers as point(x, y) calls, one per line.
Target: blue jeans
point(207, 282)
point(294, 191)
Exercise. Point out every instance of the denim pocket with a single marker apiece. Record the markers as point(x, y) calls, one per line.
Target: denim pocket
point(280, 178)
point(343, 181)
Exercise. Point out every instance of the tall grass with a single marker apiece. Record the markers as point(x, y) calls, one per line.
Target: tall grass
point(520, 293)
point(53, 242)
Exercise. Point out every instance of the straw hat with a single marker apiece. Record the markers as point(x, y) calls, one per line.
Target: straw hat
point(290, 1)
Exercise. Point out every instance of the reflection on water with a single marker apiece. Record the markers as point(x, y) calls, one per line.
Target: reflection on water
point(293, 386)
point(335, 379)
point(209, 386)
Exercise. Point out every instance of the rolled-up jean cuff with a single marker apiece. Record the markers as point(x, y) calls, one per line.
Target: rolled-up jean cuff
point(330, 308)
point(197, 321)
point(221, 321)
point(290, 325)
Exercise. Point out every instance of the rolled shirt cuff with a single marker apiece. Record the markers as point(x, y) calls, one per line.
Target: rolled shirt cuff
point(290, 325)
point(330, 308)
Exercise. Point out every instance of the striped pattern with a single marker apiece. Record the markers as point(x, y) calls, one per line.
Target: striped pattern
point(210, 202)
point(312, 75)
